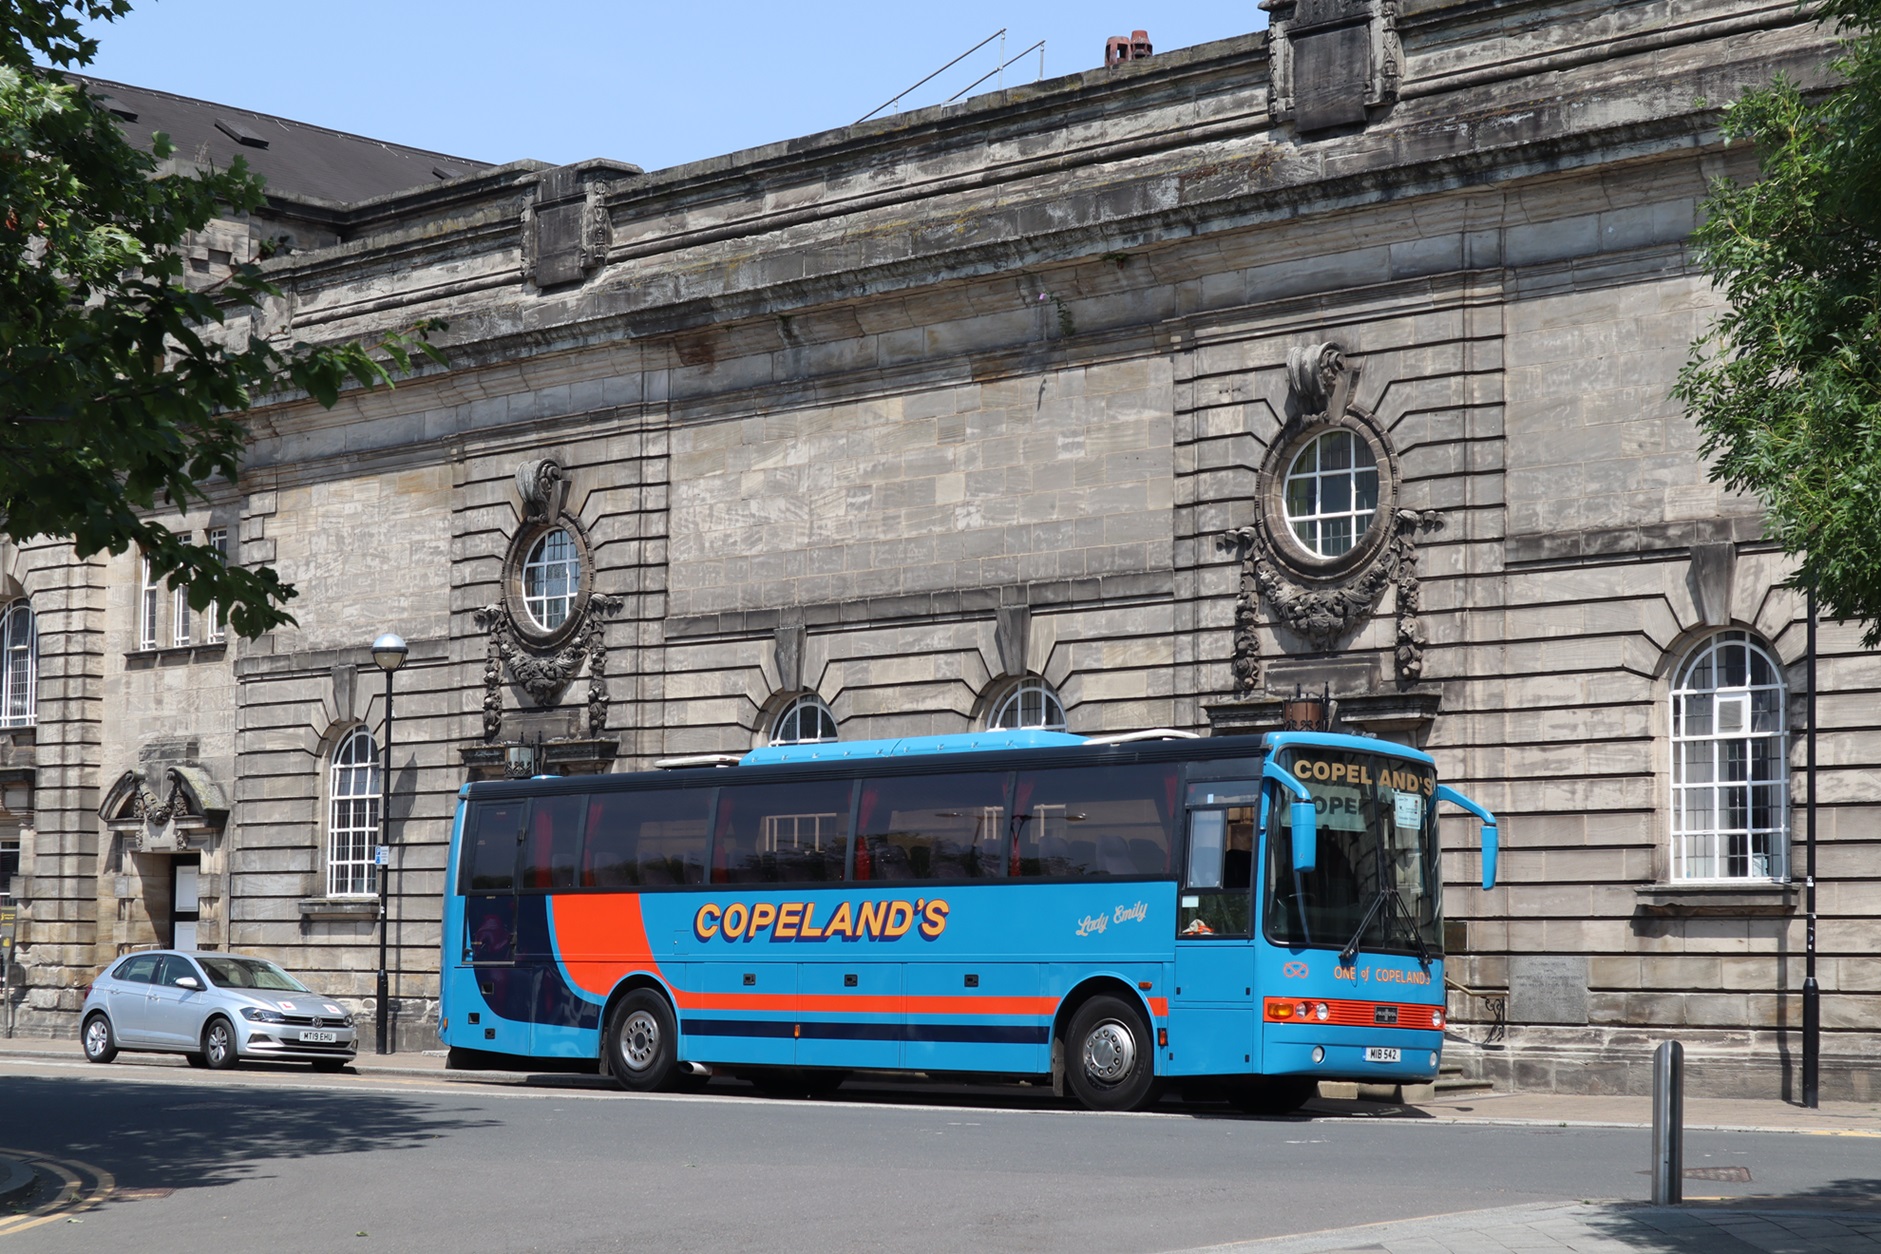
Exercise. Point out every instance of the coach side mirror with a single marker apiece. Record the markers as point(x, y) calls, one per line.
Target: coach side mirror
point(1305, 837)
point(1492, 845)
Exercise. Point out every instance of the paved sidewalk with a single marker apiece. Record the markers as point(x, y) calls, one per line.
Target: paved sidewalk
point(1594, 1228)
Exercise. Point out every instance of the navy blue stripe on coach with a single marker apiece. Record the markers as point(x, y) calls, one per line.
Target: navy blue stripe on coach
point(972, 1033)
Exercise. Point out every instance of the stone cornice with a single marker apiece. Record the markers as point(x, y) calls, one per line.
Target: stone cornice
point(1149, 190)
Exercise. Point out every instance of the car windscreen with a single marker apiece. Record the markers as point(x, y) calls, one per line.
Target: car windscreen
point(249, 973)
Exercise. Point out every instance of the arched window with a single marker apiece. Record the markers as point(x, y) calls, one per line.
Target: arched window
point(551, 579)
point(1331, 493)
point(353, 826)
point(1032, 705)
point(805, 721)
point(19, 665)
point(1730, 763)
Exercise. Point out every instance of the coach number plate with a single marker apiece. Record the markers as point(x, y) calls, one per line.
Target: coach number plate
point(1380, 1053)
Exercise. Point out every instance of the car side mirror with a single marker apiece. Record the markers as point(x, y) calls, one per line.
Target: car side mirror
point(190, 982)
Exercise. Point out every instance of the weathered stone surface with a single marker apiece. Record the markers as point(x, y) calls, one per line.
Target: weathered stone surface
point(892, 391)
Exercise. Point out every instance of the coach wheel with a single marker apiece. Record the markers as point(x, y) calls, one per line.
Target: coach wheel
point(641, 1041)
point(1109, 1061)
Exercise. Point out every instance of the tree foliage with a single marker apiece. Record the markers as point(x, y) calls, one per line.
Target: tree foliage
point(1787, 386)
point(122, 391)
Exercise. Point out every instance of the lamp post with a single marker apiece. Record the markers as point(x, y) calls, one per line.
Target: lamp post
point(388, 652)
point(1812, 992)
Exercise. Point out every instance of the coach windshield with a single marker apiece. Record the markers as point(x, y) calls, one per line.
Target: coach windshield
point(1377, 885)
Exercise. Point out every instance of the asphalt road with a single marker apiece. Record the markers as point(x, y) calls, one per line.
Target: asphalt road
point(280, 1159)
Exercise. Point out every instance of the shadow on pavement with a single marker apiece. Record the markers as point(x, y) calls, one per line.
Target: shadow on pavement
point(166, 1136)
point(1836, 1215)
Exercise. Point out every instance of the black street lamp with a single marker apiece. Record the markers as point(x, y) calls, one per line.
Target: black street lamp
point(388, 651)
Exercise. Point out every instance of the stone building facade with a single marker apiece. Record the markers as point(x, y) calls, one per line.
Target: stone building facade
point(1334, 357)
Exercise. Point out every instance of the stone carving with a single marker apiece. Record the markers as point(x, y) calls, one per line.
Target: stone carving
point(545, 675)
point(1322, 615)
point(1247, 621)
point(1315, 374)
point(566, 230)
point(1325, 598)
point(1332, 61)
point(1409, 653)
point(542, 484)
point(1325, 614)
point(146, 806)
point(599, 607)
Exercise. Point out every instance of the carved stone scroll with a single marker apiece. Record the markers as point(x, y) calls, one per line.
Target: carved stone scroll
point(543, 486)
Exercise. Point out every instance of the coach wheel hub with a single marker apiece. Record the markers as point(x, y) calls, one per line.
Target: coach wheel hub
point(640, 1040)
point(1109, 1052)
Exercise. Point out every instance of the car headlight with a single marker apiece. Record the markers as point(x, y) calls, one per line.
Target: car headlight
point(254, 1014)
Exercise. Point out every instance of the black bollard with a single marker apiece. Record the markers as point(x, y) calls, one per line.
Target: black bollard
point(1668, 1124)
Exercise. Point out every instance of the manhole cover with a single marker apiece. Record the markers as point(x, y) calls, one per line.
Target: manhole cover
point(1726, 1175)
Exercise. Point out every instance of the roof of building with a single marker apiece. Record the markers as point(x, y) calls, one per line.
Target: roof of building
point(297, 159)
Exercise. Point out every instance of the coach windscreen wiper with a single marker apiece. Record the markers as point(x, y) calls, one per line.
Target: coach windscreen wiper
point(1393, 906)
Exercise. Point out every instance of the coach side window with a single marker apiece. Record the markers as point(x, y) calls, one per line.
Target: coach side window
point(553, 847)
point(931, 827)
point(782, 833)
point(490, 849)
point(646, 839)
point(1112, 821)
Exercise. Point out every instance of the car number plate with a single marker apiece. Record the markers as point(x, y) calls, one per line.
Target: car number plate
point(333, 1038)
point(1380, 1053)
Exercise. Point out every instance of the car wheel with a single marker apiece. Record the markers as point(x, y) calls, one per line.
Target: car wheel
point(195, 1058)
point(642, 1041)
point(1108, 1058)
point(100, 1044)
point(218, 1045)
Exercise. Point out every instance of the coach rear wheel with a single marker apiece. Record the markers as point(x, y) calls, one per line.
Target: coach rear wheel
point(1109, 1061)
point(641, 1040)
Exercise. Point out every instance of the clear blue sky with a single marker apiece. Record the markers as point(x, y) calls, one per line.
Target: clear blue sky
point(564, 80)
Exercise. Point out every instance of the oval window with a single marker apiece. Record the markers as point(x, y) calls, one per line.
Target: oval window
point(1331, 493)
point(551, 579)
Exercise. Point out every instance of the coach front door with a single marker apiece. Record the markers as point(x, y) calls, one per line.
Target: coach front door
point(1211, 1007)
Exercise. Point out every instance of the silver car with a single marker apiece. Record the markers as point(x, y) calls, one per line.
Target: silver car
point(215, 1009)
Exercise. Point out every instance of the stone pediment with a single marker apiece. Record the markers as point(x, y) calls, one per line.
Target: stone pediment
point(186, 801)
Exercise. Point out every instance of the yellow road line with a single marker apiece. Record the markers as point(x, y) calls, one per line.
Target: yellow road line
point(73, 1197)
